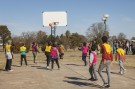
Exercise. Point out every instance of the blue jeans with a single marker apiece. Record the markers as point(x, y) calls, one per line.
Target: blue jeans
point(84, 58)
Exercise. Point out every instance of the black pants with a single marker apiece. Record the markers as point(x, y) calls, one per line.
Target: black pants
point(8, 64)
point(48, 56)
point(61, 55)
point(57, 62)
point(23, 57)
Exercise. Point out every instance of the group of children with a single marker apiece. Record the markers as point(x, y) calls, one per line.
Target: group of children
point(107, 58)
point(51, 52)
point(52, 55)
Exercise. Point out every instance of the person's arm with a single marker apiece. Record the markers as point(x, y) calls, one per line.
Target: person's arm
point(57, 53)
point(101, 50)
point(91, 59)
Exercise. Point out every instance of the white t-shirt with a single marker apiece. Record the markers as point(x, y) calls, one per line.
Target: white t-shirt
point(92, 57)
point(8, 55)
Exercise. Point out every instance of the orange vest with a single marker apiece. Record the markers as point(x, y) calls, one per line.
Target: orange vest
point(106, 51)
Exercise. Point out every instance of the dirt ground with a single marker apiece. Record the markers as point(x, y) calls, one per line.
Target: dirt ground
point(72, 74)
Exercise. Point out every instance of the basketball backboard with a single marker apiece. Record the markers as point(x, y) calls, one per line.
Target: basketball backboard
point(55, 17)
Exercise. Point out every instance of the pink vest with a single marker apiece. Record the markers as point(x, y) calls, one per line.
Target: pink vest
point(95, 58)
point(84, 49)
point(54, 52)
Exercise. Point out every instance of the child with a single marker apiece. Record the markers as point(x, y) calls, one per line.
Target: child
point(84, 53)
point(55, 55)
point(92, 63)
point(47, 53)
point(9, 53)
point(61, 51)
point(23, 54)
point(120, 54)
point(34, 51)
point(107, 57)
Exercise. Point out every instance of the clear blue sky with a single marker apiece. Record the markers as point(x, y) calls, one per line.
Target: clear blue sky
point(26, 15)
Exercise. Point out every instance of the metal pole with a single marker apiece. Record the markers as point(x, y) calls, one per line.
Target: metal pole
point(54, 33)
point(51, 33)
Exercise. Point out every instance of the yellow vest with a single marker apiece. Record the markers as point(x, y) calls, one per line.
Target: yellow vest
point(120, 51)
point(22, 48)
point(8, 48)
point(108, 48)
point(48, 49)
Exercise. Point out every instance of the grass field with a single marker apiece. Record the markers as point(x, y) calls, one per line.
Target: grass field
point(70, 55)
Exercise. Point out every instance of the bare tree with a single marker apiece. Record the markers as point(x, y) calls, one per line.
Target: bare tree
point(121, 36)
point(96, 30)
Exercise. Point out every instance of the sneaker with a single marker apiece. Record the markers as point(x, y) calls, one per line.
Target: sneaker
point(94, 79)
point(121, 72)
point(10, 70)
point(47, 67)
point(105, 85)
point(91, 79)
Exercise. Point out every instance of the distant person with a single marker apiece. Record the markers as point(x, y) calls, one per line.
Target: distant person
point(84, 53)
point(133, 48)
point(34, 51)
point(127, 47)
point(89, 47)
point(55, 56)
point(114, 47)
point(61, 51)
point(120, 54)
point(107, 57)
point(9, 56)
point(23, 54)
point(92, 63)
point(48, 53)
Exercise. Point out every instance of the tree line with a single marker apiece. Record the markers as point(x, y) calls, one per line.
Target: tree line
point(68, 39)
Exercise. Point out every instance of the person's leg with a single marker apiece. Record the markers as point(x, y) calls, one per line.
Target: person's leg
point(121, 66)
point(84, 59)
point(34, 56)
point(108, 71)
point(6, 67)
point(21, 60)
point(90, 71)
point(101, 67)
point(57, 62)
point(62, 54)
point(10, 63)
point(52, 62)
point(48, 59)
point(94, 71)
point(24, 56)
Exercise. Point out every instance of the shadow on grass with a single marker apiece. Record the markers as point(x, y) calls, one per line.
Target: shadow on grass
point(74, 64)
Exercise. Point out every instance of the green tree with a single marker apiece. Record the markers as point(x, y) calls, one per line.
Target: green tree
point(75, 40)
point(5, 34)
point(41, 37)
